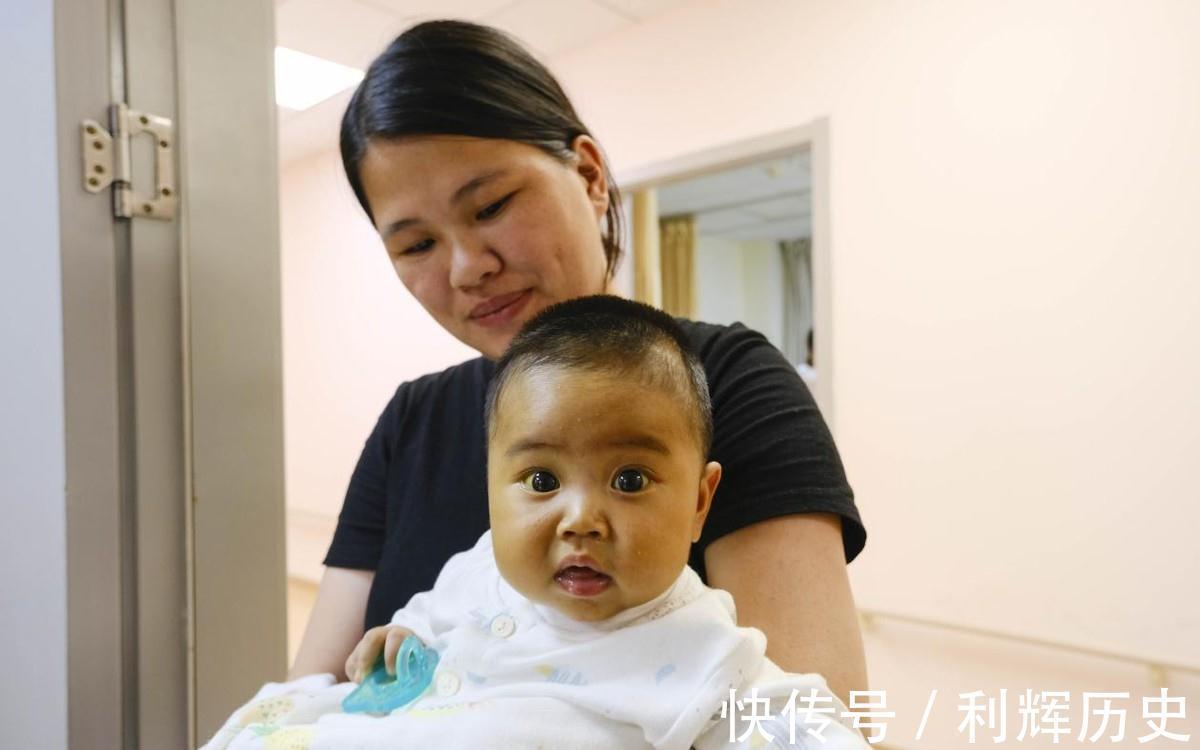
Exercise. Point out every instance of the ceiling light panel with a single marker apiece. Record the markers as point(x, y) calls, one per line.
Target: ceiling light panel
point(304, 80)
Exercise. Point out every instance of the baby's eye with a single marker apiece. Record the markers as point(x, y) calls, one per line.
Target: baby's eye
point(630, 480)
point(541, 481)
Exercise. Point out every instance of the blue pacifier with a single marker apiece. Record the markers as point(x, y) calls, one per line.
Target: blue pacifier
point(382, 693)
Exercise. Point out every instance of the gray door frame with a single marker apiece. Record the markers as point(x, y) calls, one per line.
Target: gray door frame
point(172, 377)
point(233, 352)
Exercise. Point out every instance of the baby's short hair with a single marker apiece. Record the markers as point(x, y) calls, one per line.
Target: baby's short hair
point(603, 333)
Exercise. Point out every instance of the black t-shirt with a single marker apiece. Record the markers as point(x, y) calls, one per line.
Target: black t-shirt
point(419, 492)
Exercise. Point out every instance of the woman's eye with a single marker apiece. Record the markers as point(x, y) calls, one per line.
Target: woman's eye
point(541, 481)
point(630, 480)
point(492, 209)
point(420, 247)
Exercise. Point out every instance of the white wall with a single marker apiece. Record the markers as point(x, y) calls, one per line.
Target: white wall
point(33, 589)
point(740, 282)
point(1014, 240)
point(351, 335)
point(762, 268)
point(720, 286)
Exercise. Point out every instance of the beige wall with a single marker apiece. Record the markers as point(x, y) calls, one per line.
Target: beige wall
point(1014, 243)
point(351, 335)
point(1014, 240)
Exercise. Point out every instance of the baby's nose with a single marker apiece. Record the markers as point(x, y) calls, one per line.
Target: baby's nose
point(583, 517)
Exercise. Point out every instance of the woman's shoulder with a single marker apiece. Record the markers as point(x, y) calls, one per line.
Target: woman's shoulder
point(709, 338)
point(449, 398)
point(454, 382)
point(731, 350)
point(474, 370)
point(701, 332)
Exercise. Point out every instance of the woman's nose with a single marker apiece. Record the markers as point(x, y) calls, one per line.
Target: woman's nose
point(472, 262)
point(583, 517)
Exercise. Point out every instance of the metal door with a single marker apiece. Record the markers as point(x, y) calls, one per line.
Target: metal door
point(175, 565)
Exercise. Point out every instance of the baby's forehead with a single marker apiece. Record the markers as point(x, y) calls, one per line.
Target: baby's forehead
point(653, 377)
point(642, 401)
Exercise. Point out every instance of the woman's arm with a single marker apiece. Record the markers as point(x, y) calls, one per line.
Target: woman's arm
point(788, 578)
point(336, 623)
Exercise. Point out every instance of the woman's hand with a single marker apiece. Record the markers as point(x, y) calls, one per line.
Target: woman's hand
point(362, 659)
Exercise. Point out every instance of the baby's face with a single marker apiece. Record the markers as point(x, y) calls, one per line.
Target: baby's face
point(596, 489)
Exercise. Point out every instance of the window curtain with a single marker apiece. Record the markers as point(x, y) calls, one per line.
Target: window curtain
point(644, 239)
point(677, 248)
point(797, 297)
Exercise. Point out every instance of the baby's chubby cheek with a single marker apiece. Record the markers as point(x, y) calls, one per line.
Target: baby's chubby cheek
point(515, 559)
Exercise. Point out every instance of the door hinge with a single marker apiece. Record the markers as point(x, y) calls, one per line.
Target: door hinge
point(106, 161)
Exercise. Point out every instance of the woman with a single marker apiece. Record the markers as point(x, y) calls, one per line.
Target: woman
point(493, 202)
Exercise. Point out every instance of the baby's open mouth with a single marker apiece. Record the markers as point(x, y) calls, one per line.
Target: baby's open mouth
point(579, 580)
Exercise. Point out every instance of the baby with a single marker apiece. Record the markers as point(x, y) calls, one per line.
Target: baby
point(575, 621)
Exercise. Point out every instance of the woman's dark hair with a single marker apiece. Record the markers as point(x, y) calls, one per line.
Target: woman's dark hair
point(459, 78)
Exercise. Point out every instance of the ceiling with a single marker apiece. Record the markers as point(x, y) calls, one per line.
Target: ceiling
point(352, 32)
point(765, 200)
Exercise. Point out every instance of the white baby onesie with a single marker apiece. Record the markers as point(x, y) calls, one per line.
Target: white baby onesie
point(514, 674)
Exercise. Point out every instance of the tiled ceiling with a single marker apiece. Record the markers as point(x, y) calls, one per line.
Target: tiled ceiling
point(766, 200)
point(352, 32)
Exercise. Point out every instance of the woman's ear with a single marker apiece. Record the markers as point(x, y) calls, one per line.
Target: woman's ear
point(589, 164)
point(709, 479)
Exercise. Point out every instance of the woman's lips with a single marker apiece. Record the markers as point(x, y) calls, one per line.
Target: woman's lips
point(500, 310)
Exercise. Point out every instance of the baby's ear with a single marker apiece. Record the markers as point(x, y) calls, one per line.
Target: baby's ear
point(710, 477)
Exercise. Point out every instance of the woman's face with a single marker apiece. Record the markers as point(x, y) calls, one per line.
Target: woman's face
point(487, 233)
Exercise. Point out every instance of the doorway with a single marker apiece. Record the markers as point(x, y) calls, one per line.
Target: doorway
point(758, 242)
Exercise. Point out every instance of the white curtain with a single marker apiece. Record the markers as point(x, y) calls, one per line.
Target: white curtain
point(797, 297)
